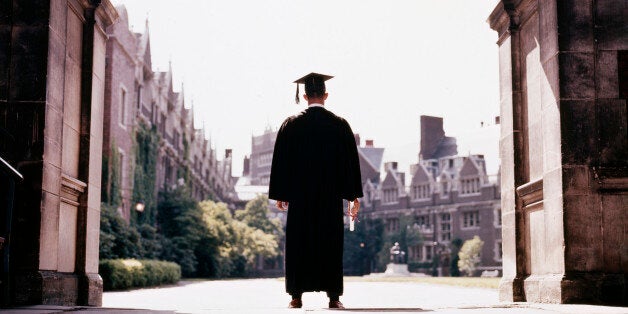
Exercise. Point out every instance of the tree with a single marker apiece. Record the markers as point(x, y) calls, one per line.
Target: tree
point(470, 255)
point(181, 224)
point(456, 244)
point(240, 243)
point(361, 246)
point(117, 238)
point(255, 214)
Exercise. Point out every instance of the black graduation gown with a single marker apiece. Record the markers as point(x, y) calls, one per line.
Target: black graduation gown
point(315, 166)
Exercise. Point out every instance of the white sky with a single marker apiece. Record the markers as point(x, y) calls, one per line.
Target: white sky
point(392, 61)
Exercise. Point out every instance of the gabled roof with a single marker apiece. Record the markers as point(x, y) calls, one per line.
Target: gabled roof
point(373, 155)
point(370, 163)
point(469, 168)
point(421, 175)
point(143, 49)
point(393, 178)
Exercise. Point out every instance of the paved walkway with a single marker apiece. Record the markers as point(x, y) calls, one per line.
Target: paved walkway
point(268, 296)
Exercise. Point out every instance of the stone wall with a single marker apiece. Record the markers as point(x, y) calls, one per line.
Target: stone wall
point(51, 92)
point(563, 149)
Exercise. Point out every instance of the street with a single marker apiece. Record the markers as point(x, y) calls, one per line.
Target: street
point(268, 296)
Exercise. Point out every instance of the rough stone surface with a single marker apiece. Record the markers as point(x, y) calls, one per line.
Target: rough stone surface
point(570, 248)
point(42, 122)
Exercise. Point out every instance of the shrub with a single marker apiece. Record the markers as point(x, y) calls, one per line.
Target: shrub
point(119, 274)
point(470, 255)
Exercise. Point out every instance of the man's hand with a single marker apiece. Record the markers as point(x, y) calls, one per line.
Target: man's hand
point(282, 205)
point(356, 208)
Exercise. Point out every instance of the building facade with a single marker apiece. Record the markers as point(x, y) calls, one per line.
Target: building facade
point(135, 96)
point(448, 197)
point(262, 147)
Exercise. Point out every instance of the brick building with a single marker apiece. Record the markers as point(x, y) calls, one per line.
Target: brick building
point(448, 197)
point(262, 147)
point(135, 94)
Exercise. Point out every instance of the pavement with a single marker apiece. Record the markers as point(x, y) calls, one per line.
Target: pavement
point(261, 296)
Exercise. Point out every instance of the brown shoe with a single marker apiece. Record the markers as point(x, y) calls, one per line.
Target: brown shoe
point(295, 304)
point(336, 305)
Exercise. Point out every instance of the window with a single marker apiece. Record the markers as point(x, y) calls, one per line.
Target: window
point(445, 231)
point(423, 220)
point(470, 186)
point(471, 219)
point(421, 191)
point(264, 180)
point(392, 224)
point(498, 217)
point(445, 188)
point(445, 227)
point(122, 168)
point(153, 112)
point(428, 252)
point(390, 195)
point(175, 140)
point(123, 109)
point(415, 252)
point(498, 250)
point(265, 159)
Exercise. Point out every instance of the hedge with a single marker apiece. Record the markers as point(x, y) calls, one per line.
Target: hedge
point(119, 274)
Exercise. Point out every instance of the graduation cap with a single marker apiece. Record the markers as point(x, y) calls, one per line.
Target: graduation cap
point(314, 84)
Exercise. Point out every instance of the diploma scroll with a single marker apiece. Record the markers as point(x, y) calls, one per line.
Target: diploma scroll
point(351, 218)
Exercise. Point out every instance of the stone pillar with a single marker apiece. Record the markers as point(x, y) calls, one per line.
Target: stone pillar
point(51, 98)
point(564, 150)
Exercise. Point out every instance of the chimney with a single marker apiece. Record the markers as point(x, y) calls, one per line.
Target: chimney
point(369, 143)
point(246, 167)
point(357, 139)
point(228, 153)
point(432, 134)
point(391, 165)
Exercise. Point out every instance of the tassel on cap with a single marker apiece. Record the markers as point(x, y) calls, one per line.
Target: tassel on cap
point(314, 82)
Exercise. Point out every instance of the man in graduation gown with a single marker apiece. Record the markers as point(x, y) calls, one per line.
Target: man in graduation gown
point(315, 166)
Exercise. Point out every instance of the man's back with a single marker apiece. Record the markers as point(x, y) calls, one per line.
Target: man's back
point(318, 143)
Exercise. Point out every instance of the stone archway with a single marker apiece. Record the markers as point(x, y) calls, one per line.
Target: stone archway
point(52, 62)
point(563, 150)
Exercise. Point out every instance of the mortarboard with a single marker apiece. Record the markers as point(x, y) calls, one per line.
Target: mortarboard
point(314, 82)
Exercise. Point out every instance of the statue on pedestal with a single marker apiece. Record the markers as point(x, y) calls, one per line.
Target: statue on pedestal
point(396, 254)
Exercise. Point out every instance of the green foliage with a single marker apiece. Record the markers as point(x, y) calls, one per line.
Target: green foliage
point(117, 238)
point(145, 175)
point(470, 255)
point(120, 274)
point(204, 239)
point(407, 235)
point(110, 192)
point(361, 247)
point(255, 215)
point(414, 266)
point(180, 221)
point(456, 244)
point(241, 243)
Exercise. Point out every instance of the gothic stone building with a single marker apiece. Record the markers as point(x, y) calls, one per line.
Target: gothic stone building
point(448, 197)
point(135, 94)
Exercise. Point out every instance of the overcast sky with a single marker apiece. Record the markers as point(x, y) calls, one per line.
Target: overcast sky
point(393, 61)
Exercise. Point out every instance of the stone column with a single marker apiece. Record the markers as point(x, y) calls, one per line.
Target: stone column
point(51, 98)
point(564, 150)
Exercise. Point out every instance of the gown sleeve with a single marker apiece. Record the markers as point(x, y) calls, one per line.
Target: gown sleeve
point(279, 185)
point(351, 178)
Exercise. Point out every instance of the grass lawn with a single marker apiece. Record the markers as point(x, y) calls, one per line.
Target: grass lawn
point(477, 282)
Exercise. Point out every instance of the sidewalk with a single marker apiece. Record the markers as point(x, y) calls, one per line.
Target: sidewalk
point(259, 296)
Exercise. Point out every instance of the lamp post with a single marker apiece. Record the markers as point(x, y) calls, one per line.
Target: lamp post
point(139, 206)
